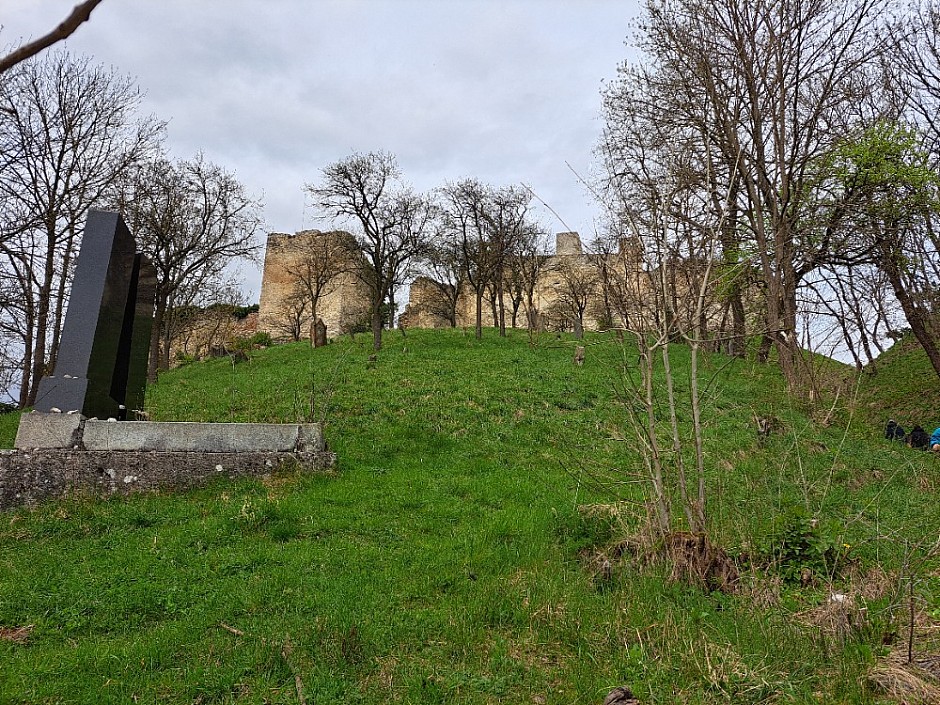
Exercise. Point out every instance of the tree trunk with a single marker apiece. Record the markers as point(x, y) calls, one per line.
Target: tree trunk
point(156, 334)
point(738, 324)
point(531, 314)
point(27, 362)
point(763, 352)
point(785, 340)
point(377, 327)
point(912, 313)
point(493, 309)
point(42, 323)
point(167, 339)
point(479, 330)
point(516, 303)
point(391, 307)
point(502, 306)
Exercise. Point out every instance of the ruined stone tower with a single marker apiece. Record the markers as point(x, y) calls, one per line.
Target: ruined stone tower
point(568, 244)
point(344, 305)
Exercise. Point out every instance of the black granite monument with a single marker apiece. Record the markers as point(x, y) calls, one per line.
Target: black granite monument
point(101, 369)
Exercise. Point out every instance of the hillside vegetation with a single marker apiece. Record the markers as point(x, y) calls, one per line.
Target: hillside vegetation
point(901, 384)
point(457, 552)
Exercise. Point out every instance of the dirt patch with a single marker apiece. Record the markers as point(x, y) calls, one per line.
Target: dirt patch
point(914, 683)
point(16, 635)
point(697, 561)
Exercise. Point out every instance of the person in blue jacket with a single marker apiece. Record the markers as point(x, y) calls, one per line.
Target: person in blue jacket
point(935, 441)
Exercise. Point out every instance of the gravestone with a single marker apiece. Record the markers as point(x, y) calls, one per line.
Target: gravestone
point(318, 333)
point(101, 368)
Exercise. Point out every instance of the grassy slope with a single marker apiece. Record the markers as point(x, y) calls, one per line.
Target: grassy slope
point(904, 387)
point(9, 422)
point(438, 564)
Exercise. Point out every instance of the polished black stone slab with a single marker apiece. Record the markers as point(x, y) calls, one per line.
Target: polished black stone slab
point(102, 361)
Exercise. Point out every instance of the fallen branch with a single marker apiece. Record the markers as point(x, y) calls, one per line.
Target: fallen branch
point(231, 630)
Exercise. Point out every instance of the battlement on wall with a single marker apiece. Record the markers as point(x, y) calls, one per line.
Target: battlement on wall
point(567, 244)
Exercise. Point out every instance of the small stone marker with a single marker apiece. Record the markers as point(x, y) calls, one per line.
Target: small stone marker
point(318, 333)
point(579, 355)
point(102, 365)
point(621, 696)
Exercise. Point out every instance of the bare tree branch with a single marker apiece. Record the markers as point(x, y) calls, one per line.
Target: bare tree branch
point(80, 14)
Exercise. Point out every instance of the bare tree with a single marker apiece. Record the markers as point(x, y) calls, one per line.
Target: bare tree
point(668, 424)
point(464, 225)
point(526, 263)
point(392, 222)
point(67, 130)
point(192, 219)
point(294, 313)
point(489, 228)
point(445, 275)
point(80, 14)
point(505, 213)
point(768, 89)
point(576, 288)
point(852, 300)
point(917, 43)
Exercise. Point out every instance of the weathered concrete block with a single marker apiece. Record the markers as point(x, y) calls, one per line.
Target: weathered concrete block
point(310, 438)
point(39, 430)
point(201, 437)
point(30, 477)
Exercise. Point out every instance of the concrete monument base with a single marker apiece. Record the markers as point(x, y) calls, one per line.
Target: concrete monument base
point(31, 477)
point(75, 432)
point(62, 454)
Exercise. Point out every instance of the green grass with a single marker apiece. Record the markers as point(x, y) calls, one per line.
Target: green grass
point(903, 386)
point(439, 562)
point(9, 422)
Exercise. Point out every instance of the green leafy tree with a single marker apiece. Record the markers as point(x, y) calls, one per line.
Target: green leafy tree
point(889, 195)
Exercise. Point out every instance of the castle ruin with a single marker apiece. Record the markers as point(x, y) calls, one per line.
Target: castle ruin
point(573, 290)
point(306, 265)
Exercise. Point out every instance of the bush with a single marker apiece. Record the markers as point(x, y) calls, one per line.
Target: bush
point(798, 542)
point(358, 324)
point(241, 312)
point(183, 359)
point(261, 339)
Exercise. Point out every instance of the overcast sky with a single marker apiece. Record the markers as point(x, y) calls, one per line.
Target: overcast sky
point(507, 91)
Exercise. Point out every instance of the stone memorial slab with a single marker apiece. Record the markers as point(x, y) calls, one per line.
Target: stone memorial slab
point(318, 333)
point(101, 367)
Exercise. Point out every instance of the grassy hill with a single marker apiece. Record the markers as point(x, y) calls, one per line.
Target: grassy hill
point(454, 554)
point(902, 385)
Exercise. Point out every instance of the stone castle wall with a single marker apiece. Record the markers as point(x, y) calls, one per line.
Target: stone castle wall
point(424, 308)
point(210, 332)
point(549, 308)
point(630, 300)
point(568, 244)
point(345, 303)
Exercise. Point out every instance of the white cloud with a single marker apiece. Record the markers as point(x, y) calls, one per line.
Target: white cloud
point(504, 90)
